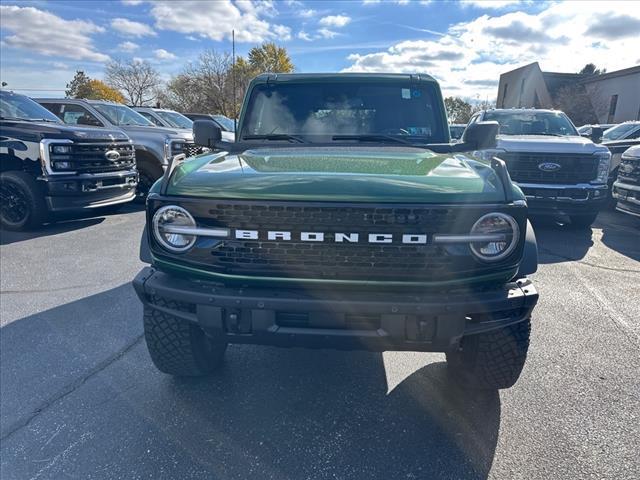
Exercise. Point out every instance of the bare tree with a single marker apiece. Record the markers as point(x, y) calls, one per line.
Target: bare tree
point(137, 79)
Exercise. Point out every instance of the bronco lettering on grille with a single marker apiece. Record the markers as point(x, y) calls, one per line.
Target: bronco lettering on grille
point(338, 237)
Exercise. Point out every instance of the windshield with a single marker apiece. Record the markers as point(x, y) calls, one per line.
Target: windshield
point(121, 115)
point(226, 123)
point(620, 131)
point(318, 111)
point(21, 107)
point(532, 123)
point(175, 119)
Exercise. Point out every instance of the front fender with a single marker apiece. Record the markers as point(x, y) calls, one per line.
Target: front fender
point(529, 263)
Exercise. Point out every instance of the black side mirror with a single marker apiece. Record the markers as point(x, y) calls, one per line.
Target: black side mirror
point(206, 133)
point(480, 136)
point(596, 134)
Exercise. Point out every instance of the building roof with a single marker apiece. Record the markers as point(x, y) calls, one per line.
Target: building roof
point(618, 73)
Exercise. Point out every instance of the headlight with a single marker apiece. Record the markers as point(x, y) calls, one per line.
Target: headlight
point(166, 227)
point(604, 163)
point(61, 149)
point(487, 155)
point(505, 231)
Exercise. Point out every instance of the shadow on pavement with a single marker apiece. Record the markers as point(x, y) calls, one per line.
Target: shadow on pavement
point(67, 223)
point(78, 379)
point(620, 232)
point(559, 243)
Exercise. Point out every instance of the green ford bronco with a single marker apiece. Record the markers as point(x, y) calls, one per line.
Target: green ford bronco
point(342, 217)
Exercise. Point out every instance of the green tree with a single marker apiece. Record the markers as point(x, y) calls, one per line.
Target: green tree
point(268, 57)
point(79, 81)
point(458, 111)
point(591, 69)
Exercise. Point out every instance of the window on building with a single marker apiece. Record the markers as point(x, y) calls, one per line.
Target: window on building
point(612, 108)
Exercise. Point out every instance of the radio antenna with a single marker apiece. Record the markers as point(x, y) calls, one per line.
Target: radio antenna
point(233, 74)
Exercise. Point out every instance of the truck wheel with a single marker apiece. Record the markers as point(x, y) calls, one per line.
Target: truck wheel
point(491, 360)
point(22, 206)
point(583, 221)
point(148, 173)
point(178, 347)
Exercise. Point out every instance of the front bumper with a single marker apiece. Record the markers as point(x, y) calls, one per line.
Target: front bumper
point(87, 191)
point(331, 318)
point(554, 200)
point(628, 197)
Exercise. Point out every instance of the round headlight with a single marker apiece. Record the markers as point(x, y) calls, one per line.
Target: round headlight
point(167, 223)
point(505, 232)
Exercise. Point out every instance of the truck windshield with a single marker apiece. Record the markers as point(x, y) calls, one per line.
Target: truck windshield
point(225, 122)
point(14, 106)
point(318, 111)
point(121, 115)
point(175, 119)
point(532, 123)
point(620, 131)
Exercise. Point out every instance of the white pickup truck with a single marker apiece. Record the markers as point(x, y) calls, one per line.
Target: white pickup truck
point(561, 173)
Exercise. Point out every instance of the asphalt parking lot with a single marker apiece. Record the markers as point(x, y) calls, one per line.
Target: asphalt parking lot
point(81, 399)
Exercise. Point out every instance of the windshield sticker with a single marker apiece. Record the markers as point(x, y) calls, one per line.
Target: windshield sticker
point(406, 93)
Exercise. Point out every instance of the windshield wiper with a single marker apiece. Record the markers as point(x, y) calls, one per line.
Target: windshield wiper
point(22, 119)
point(373, 138)
point(275, 136)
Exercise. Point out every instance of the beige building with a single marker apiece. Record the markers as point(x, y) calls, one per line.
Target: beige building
point(610, 97)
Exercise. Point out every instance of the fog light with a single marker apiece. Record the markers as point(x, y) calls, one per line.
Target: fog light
point(62, 165)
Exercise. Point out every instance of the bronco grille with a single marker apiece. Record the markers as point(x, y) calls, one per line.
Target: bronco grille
point(573, 168)
point(93, 157)
point(331, 260)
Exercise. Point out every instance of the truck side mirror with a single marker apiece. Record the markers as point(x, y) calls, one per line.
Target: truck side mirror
point(596, 134)
point(206, 133)
point(480, 136)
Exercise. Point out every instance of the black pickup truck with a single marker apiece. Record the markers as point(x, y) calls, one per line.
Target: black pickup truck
point(48, 167)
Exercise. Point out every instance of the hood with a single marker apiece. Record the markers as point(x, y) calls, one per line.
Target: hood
point(168, 132)
point(547, 144)
point(340, 174)
point(60, 130)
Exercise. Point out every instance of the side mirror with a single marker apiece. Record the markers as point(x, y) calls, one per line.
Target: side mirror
point(480, 136)
point(206, 133)
point(596, 134)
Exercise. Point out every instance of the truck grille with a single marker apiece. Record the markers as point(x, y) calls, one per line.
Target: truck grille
point(191, 149)
point(92, 157)
point(574, 168)
point(629, 170)
point(328, 259)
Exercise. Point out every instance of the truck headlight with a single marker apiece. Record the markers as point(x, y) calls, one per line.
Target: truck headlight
point(604, 163)
point(487, 155)
point(505, 231)
point(61, 149)
point(168, 223)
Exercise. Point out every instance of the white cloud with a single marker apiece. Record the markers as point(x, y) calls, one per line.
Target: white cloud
point(326, 33)
point(132, 2)
point(302, 35)
point(131, 28)
point(337, 21)
point(221, 17)
point(307, 13)
point(469, 58)
point(47, 34)
point(128, 46)
point(490, 4)
point(162, 54)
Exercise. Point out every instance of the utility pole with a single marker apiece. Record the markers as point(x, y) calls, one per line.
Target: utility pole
point(233, 80)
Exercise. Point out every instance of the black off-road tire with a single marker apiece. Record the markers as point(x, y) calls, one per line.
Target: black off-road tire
point(584, 220)
point(24, 207)
point(491, 360)
point(148, 173)
point(178, 347)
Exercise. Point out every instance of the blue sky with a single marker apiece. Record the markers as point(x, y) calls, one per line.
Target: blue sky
point(465, 45)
